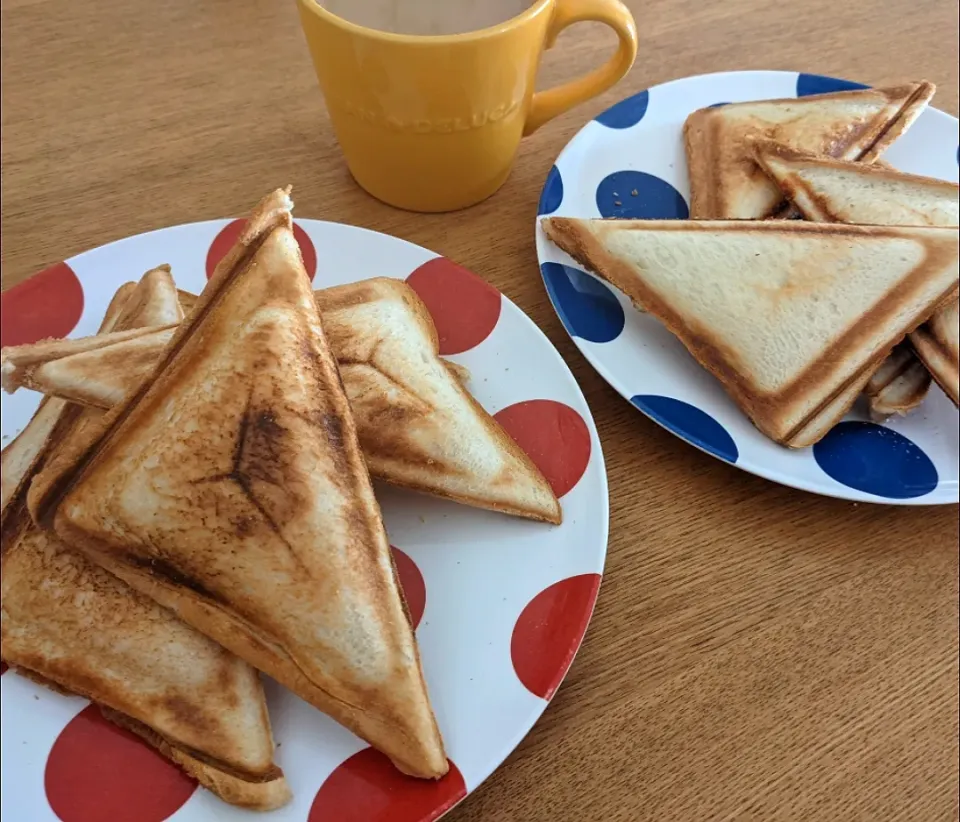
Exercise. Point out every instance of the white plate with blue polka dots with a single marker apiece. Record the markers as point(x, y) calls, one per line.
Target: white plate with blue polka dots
point(629, 162)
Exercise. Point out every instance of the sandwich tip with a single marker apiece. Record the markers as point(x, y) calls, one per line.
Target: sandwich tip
point(8, 372)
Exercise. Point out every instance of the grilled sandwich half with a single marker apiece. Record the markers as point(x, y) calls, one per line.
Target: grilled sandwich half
point(792, 317)
point(230, 488)
point(725, 181)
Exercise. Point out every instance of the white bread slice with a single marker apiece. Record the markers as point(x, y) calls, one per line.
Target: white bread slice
point(830, 191)
point(96, 377)
point(153, 300)
point(16, 361)
point(230, 488)
point(22, 457)
point(788, 315)
point(725, 181)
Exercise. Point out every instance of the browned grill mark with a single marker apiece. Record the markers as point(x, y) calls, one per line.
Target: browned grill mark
point(333, 427)
point(156, 566)
point(246, 468)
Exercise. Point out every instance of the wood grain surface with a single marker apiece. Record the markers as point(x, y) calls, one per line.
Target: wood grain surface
point(756, 652)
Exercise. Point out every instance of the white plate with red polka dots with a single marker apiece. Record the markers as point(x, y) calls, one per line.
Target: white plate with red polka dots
point(501, 605)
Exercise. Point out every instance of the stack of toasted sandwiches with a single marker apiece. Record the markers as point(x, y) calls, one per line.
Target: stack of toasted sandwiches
point(799, 317)
point(192, 503)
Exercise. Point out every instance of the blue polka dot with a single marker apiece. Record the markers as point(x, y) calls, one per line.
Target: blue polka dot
point(695, 426)
point(876, 460)
point(552, 194)
point(587, 307)
point(808, 84)
point(627, 112)
point(640, 196)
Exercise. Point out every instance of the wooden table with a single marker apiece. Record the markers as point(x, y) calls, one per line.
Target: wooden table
point(757, 652)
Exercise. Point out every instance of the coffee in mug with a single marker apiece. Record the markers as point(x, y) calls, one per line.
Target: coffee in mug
point(426, 18)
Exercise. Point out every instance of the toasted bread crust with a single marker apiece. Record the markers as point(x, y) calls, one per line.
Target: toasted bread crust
point(267, 792)
point(937, 350)
point(819, 208)
point(818, 424)
point(260, 794)
point(23, 456)
point(706, 158)
point(911, 109)
point(767, 412)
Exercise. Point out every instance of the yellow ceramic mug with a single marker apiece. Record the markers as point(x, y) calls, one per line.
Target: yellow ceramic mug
point(433, 123)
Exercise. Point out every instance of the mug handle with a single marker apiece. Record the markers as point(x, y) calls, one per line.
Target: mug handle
point(548, 104)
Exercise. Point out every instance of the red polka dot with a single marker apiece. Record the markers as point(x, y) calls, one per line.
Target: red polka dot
point(554, 436)
point(49, 304)
point(549, 631)
point(465, 309)
point(98, 772)
point(368, 788)
point(228, 235)
point(414, 588)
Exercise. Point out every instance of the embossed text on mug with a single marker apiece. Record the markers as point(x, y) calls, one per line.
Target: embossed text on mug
point(441, 125)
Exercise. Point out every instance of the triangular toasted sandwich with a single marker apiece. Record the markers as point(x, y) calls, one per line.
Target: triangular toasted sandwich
point(97, 377)
point(837, 191)
point(230, 487)
point(789, 316)
point(72, 626)
point(418, 425)
point(25, 454)
point(725, 181)
point(157, 306)
point(826, 190)
point(20, 362)
point(156, 300)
